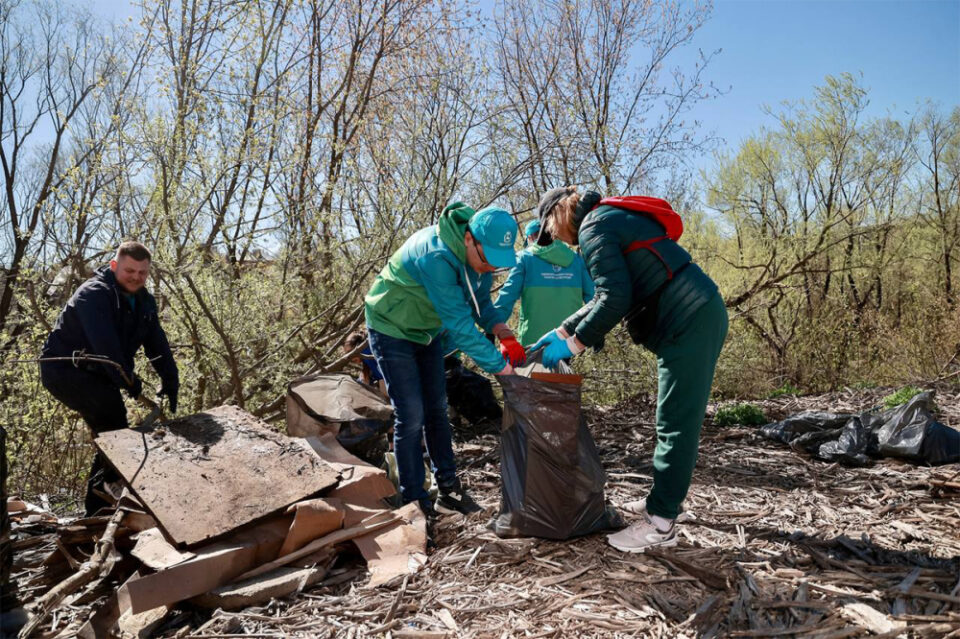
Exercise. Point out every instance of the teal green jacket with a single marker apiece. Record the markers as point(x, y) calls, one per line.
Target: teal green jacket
point(623, 280)
point(427, 288)
point(551, 282)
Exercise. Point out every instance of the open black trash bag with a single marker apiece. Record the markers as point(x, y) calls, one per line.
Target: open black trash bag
point(908, 431)
point(552, 476)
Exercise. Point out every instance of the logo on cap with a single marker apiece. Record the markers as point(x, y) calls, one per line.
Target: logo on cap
point(507, 237)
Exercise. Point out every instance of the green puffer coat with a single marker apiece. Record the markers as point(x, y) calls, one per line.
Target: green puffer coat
point(623, 280)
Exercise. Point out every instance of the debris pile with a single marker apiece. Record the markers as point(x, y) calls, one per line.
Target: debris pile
point(216, 509)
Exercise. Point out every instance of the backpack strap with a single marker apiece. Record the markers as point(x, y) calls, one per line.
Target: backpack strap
point(649, 246)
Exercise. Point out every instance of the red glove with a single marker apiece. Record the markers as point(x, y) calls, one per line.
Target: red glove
point(512, 351)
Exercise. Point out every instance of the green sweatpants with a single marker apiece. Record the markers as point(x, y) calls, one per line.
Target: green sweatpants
point(686, 363)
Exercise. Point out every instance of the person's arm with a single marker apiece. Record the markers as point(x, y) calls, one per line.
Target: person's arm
point(441, 281)
point(589, 290)
point(613, 295)
point(95, 308)
point(365, 375)
point(510, 291)
point(157, 349)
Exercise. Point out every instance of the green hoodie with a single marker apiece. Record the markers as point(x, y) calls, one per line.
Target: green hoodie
point(551, 282)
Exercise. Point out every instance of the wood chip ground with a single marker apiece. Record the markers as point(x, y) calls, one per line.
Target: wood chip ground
point(774, 545)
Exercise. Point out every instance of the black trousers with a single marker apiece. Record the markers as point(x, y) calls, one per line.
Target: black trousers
point(99, 403)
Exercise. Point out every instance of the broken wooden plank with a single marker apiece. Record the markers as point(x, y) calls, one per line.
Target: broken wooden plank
point(381, 519)
point(559, 579)
point(214, 565)
point(207, 474)
point(275, 584)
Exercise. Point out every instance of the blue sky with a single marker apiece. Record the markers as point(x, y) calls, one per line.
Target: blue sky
point(908, 51)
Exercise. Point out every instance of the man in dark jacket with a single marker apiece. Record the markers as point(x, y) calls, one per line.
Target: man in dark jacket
point(110, 316)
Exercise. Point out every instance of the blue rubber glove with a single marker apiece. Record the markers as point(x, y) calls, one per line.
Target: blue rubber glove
point(554, 352)
point(546, 340)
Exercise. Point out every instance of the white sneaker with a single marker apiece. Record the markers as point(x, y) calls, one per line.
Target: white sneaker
point(642, 535)
point(639, 507)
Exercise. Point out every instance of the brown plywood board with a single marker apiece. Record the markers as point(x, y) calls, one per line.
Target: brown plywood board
point(206, 474)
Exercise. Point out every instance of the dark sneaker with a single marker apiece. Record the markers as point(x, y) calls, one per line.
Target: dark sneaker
point(428, 510)
point(456, 500)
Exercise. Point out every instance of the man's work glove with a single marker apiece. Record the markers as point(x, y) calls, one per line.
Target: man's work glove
point(560, 349)
point(135, 388)
point(512, 351)
point(171, 394)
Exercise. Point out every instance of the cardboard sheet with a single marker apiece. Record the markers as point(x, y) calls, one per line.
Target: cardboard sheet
point(398, 549)
point(206, 474)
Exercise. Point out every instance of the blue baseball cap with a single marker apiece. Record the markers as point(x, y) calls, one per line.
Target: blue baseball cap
point(531, 228)
point(496, 231)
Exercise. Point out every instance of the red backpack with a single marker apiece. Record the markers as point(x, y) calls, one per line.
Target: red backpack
point(659, 211)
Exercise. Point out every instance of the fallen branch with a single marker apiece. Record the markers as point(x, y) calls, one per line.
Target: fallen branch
point(88, 571)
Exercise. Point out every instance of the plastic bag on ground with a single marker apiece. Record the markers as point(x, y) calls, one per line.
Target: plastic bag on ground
point(908, 431)
point(552, 476)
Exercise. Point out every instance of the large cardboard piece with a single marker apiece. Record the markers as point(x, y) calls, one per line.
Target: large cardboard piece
point(207, 474)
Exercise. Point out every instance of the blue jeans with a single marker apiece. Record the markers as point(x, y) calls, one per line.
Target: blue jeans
point(417, 386)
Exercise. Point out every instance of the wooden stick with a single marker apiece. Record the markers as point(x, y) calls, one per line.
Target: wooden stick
point(371, 523)
point(90, 569)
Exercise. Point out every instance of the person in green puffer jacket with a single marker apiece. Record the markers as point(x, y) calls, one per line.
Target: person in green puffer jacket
point(671, 307)
point(431, 296)
point(551, 282)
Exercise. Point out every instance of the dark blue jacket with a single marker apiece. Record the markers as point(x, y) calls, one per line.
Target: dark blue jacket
point(100, 320)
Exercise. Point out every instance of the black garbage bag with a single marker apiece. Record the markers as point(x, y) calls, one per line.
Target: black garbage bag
point(911, 432)
point(908, 431)
point(853, 446)
point(470, 394)
point(552, 476)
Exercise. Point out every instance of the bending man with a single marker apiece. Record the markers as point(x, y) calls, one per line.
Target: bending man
point(439, 280)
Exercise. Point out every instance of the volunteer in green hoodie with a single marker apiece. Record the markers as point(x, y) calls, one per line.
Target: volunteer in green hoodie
point(437, 283)
point(670, 306)
point(551, 281)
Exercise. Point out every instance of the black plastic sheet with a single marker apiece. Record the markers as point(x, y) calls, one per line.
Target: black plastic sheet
point(909, 432)
point(470, 394)
point(552, 476)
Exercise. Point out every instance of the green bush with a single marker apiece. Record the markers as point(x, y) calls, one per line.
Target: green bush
point(901, 397)
point(786, 389)
point(745, 414)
